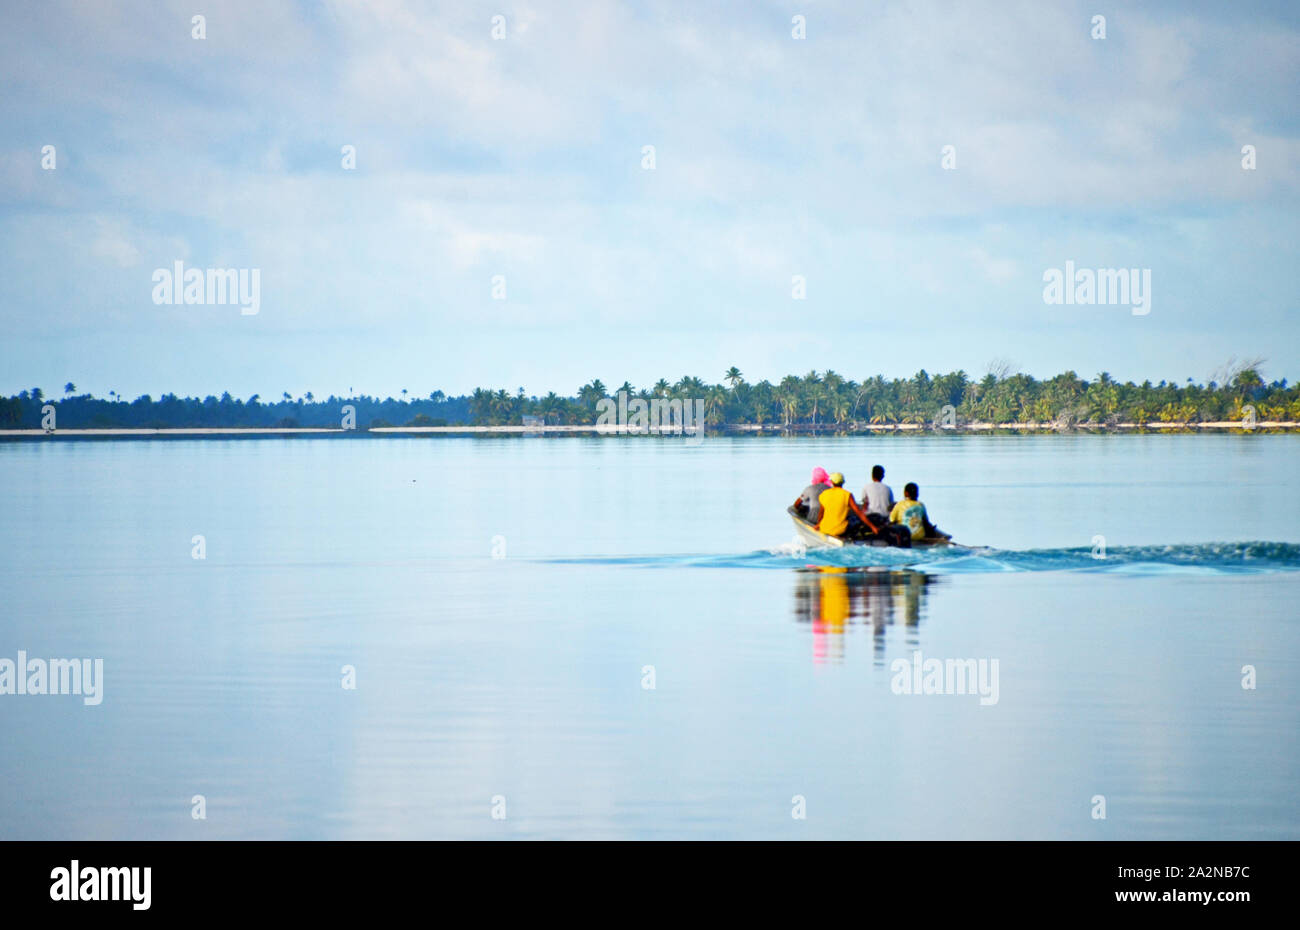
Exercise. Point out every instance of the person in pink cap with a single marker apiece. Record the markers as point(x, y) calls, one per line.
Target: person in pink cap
point(807, 504)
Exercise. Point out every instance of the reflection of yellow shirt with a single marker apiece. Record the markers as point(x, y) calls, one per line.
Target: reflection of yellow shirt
point(912, 515)
point(835, 511)
point(835, 602)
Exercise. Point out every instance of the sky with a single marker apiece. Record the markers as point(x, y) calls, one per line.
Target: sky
point(520, 163)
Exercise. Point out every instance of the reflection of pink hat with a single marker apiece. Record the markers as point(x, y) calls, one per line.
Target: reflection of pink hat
point(820, 476)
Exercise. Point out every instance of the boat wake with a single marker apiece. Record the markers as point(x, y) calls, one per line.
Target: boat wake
point(1237, 558)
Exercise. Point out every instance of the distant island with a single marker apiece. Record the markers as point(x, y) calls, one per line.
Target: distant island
point(815, 402)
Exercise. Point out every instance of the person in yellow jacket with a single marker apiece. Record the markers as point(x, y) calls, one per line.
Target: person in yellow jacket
point(837, 505)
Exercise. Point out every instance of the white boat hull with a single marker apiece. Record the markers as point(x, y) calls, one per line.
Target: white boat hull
point(813, 538)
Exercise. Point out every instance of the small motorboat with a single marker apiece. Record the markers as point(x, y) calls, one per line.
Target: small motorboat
point(808, 533)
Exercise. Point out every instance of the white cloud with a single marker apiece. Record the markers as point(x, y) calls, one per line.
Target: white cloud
point(113, 242)
point(775, 157)
point(997, 270)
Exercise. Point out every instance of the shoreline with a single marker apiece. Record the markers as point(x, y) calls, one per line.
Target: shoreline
point(1273, 426)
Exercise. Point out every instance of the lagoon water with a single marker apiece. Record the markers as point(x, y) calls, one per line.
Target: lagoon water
point(501, 599)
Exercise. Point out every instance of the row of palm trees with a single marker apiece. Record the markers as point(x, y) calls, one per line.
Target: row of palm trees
point(829, 400)
point(816, 400)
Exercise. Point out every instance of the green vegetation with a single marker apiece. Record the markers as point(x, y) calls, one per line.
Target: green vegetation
point(84, 411)
point(818, 400)
point(829, 400)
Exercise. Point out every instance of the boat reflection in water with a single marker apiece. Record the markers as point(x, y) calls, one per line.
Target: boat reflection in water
point(832, 599)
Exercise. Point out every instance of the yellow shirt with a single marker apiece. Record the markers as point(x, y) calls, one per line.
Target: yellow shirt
point(835, 511)
point(912, 515)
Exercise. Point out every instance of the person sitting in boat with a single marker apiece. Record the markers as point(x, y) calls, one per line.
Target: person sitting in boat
point(841, 515)
point(877, 497)
point(911, 513)
point(807, 504)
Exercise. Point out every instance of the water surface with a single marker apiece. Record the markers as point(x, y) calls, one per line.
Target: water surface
point(504, 600)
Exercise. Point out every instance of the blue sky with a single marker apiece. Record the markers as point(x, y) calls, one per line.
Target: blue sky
point(522, 157)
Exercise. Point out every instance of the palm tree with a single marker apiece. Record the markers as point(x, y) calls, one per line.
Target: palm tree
point(1247, 380)
point(69, 388)
point(549, 406)
point(715, 401)
point(832, 384)
point(760, 401)
point(502, 407)
point(733, 376)
point(839, 407)
point(813, 391)
point(592, 392)
point(479, 406)
point(787, 395)
point(689, 388)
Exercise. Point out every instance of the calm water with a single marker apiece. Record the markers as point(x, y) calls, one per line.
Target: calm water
point(522, 675)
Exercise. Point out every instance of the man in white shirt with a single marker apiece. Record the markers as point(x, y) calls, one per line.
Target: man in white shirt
point(878, 497)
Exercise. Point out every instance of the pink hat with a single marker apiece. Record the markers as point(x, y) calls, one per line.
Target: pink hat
point(820, 476)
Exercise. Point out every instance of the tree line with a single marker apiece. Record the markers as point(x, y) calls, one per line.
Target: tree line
point(817, 400)
point(85, 411)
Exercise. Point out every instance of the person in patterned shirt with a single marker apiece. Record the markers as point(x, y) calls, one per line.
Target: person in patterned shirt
point(911, 513)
